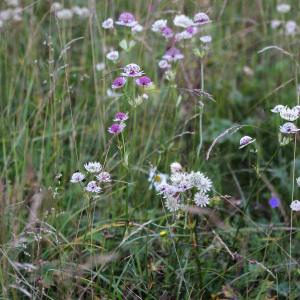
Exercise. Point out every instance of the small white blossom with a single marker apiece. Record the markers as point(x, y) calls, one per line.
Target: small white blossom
point(290, 28)
point(200, 181)
point(81, 12)
point(295, 205)
point(93, 167)
point(298, 181)
point(137, 28)
point(145, 96)
point(108, 23)
point(201, 199)
point(92, 187)
point(100, 66)
point(64, 14)
point(104, 177)
point(172, 203)
point(206, 39)
point(113, 55)
point(183, 21)
point(288, 128)
point(56, 6)
point(275, 24)
point(283, 8)
point(163, 64)
point(245, 141)
point(289, 114)
point(278, 108)
point(77, 177)
point(175, 167)
point(158, 25)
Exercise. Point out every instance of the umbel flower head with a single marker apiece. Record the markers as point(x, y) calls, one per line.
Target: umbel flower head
point(201, 19)
point(126, 19)
point(173, 54)
point(77, 177)
point(121, 117)
point(108, 23)
point(245, 141)
point(103, 177)
point(116, 128)
point(92, 187)
point(295, 205)
point(144, 81)
point(132, 70)
point(288, 128)
point(93, 167)
point(118, 83)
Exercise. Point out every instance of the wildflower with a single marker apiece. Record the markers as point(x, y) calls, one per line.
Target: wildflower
point(56, 6)
point(77, 177)
point(167, 32)
point(156, 179)
point(275, 24)
point(82, 12)
point(108, 23)
point(181, 181)
point(175, 167)
point(283, 8)
point(201, 199)
point(167, 189)
point(126, 19)
point(200, 181)
point(245, 141)
point(278, 108)
point(116, 128)
point(144, 81)
point(188, 33)
point(201, 18)
point(132, 70)
point(12, 2)
point(100, 66)
point(93, 167)
point(173, 54)
point(64, 14)
point(295, 205)
point(145, 96)
point(274, 202)
point(118, 82)
point(290, 27)
point(103, 177)
point(92, 187)
point(183, 21)
point(206, 39)
point(298, 181)
point(159, 25)
point(163, 64)
point(120, 117)
point(112, 55)
point(172, 203)
point(288, 128)
point(289, 114)
point(137, 28)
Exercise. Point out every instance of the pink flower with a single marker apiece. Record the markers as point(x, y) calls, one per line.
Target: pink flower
point(201, 18)
point(118, 82)
point(120, 117)
point(173, 54)
point(126, 19)
point(143, 81)
point(116, 128)
point(167, 32)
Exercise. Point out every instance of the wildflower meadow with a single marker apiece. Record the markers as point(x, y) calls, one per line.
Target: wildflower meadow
point(150, 149)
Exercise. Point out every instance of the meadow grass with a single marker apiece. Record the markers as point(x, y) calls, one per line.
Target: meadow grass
point(58, 242)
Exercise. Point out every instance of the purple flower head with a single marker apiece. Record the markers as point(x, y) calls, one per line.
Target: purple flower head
point(120, 117)
point(274, 202)
point(118, 82)
point(173, 54)
point(132, 70)
point(201, 18)
point(288, 128)
point(126, 19)
point(144, 81)
point(116, 128)
point(167, 32)
point(191, 30)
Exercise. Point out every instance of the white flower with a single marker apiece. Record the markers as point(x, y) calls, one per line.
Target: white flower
point(6, 14)
point(100, 66)
point(206, 39)
point(278, 108)
point(93, 167)
point(289, 114)
point(283, 8)
point(181, 181)
point(298, 181)
point(82, 12)
point(64, 14)
point(163, 64)
point(201, 199)
point(200, 181)
point(175, 167)
point(104, 177)
point(172, 203)
point(288, 128)
point(108, 23)
point(245, 141)
point(183, 21)
point(92, 187)
point(132, 70)
point(77, 177)
point(145, 96)
point(295, 205)
point(159, 25)
point(156, 179)
point(290, 27)
point(201, 18)
point(113, 55)
point(137, 28)
point(275, 24)
point(12, 2)
point(166, 189)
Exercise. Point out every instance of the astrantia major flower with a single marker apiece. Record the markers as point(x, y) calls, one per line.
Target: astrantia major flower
point(77, 177)
point(290, 27)
point(201, 199)
point(167, 32)
point(206, 39)
point(275, 24)
point(183, 21)
point(64, 14)
point(295, 205)
point(173, 54)
point(245, 141)
point(289, 114)
point(283, 8)
point(144, 81)
point(103, 177)
point(132, 70)
point(172, 203)
point(159, 25)
point(108, 23)
point(112, 55)
point(278, 108)
point(163, 64)
point(116, 128)
point(126, 19)
point(288, 128)
point(298, 181)
point(137, 28)
point(175, 167)
point(92, 187)
point(118, 82)
point(200, 181)
point(93, 167)
point(201, 18)
point(121, 117)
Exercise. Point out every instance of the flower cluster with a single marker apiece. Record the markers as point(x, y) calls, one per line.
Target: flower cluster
point(181, 186)
point(190, 26)
point(245, 141)
point(68, 13)
point(94, 169)
point(125, 19)
point(118, 127)
point(288, 114)
point(13, 14)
